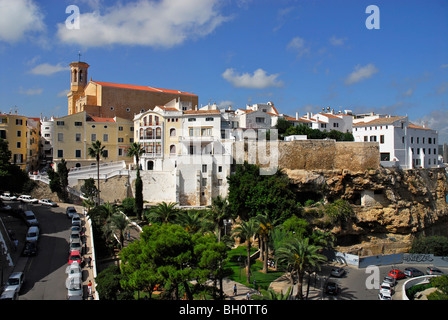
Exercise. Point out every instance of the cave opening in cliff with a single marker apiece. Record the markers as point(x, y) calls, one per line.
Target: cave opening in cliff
point(348, 240)
point(304, 196)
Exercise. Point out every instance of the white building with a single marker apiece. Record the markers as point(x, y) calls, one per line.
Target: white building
point(326, 120)
point(401, 143)
point(185, 160)
point(47, 133)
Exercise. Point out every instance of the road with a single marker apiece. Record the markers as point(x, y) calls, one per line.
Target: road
point(45, 272)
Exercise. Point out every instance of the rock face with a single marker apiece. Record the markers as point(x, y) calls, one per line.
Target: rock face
point(387, 202)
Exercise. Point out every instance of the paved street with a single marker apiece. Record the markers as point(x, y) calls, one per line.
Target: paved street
point(45, 272)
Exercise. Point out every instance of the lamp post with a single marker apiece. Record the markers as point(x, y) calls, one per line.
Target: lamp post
point(239, 263)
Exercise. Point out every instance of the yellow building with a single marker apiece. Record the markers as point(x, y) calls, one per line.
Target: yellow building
point(23, 135)
point(105, 99)
point(74, 134)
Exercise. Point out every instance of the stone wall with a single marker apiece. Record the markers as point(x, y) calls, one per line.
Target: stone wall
point(311, 155)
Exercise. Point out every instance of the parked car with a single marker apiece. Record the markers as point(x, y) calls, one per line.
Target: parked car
point(70, 211)
point(30, 249)
point(27, 199)
point(390, 280)
point(337, 272)
point(331, 288)
point(74, 288)
point(75, 236)
point(433, 271)
point(74, 270)
point(75, 256)
point(30, 218)
point(8, 197)
point(15, 282)
point(33, 234)
point(77, 229)
point(75, 245)
point(412, 272)
point(386, 288)
point(9, 295)
point(48, 202)
point(76, 220)
point(384, 296)
point(397, 274)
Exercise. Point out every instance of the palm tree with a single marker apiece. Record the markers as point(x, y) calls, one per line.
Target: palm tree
point(245, 231)
point(97, 151)
point(266, 225)
point(118, 222)
point(301, 256)
point(217, 212)
point(190, 220)
point(136, 150)
point(164, 212)
point(270, 294)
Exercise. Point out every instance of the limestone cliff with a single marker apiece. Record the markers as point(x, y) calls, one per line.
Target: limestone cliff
point(388, 203)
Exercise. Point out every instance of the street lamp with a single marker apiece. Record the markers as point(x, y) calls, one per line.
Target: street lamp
point(239, 263)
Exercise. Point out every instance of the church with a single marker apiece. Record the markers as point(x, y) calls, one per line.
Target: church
point(108, 100)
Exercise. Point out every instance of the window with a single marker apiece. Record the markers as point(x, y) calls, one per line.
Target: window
point(19, 122)
point(381, 138)
point(335, 125)
point(204, 168)
point(158, 133)
point(60, 137)
point(373, 138)
point(78, 137)
point(19, 145)
point(259, 120)
point(219, 182)
point(385, 156)
point(191, 119)
point(106, 153)
point(209, 119)
point(47, 135)
point(19, 133)
point(173, 149)
point(78, 124)
point(93, 137)
point(60, 153)
point(219, 168)
point(120, 139)
point(204, 182)
point(120, 151)
point(105, 137)
point(120, 128)
point(172, 132)
point(156, 120)
point(3, 134)
point(60, 123)
point(324, 125)
point(78, 153)
point(412, 139)
point(366, 138)
point(128, 110)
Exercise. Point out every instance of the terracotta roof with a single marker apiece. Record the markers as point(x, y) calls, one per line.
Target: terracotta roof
point(414, 126)
point(329, 115)
point(99, 119)
point(379, 121)
point(198, 112)
point(142, 88)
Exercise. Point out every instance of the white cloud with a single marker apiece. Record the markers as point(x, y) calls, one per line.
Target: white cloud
point(164, 23)
point(436, 120)
point(361, 73)
point(63, 93)
point(19, 18)
point(297, 44)
point(258, 80)
point(46, 69)
point(31, 92)
point(337, 41)
point(444, 66)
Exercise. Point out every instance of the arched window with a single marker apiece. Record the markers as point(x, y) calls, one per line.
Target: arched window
point(173, 149)
point(75, 75)
point(80, 76)
point(158, 133)
point(150, 120)
point(172, 132)
point(141, 133)
point(156, 120)
point(144, 121)
point(150, 165)
point(148, 134)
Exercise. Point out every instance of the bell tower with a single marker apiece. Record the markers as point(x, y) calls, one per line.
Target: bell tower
point(78, 82)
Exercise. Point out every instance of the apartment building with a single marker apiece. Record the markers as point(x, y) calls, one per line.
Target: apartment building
point(185, 159)
point(326, 120)
point(74, 134)
point(401, 142)
point(23, 136)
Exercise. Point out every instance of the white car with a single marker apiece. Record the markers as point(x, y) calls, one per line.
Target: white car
point(74, 287)
point(384, 296)
point(74, 270)
point(30, 218)
point(386, 288)
point(27, 199)
point(8, 197)
point(48, 202)
point(15, 282)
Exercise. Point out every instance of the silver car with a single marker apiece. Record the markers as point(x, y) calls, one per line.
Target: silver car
point(74, 288)
point(75, 245)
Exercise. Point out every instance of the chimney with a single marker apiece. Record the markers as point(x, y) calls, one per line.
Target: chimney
point(297, 116)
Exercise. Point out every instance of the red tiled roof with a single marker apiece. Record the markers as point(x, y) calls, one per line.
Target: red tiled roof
point(142, 88)
point(379, 121)
point(99, 119)
point(414, 126)
point(196, 112)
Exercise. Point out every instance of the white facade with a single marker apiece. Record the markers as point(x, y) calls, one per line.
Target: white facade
point(401, 142)
point(47, 133)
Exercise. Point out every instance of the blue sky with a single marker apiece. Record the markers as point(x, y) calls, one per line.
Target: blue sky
point(302, 55)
